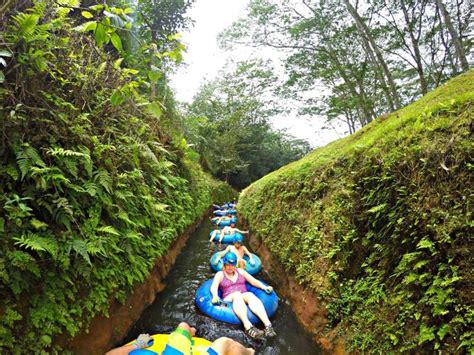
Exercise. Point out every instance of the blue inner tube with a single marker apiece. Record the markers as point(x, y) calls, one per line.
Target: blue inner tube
point(251, 269)
point(223, 312)
point(228, 238)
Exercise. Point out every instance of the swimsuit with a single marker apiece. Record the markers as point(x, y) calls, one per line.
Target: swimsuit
point(228, 286)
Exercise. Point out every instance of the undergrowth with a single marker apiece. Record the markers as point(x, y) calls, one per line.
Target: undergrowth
point(379, 225)
point(91, 192)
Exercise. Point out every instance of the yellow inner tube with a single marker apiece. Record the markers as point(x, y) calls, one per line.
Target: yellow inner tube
point(160, 340)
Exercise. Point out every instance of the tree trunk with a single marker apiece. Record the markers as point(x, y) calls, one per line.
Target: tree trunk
point(365, 34)
point(352, 88)
point(454, 35)
point(416, 49)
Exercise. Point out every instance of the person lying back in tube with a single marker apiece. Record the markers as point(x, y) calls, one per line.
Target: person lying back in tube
point(238, 249)
point(218, 220)
point(231, 281)
point(226, 230)
point(180, 343)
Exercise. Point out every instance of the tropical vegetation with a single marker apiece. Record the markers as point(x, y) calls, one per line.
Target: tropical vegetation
point(90, 182)
point(379, 226)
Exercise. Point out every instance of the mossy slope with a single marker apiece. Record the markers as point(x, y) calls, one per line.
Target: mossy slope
point(378, 224)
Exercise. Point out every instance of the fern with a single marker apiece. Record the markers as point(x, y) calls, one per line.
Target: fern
point(80, 247)
point(102, 177)
point(108, 230)
point(37, 243)
point(26, 23)
point(27, 157)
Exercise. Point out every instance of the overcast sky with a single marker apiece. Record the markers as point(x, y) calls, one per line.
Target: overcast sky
point(204, 59)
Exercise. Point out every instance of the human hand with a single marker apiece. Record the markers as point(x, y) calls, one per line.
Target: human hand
point(268, 289)
point(143, 341)
point(216, 261)
point(215, 300)
point(252, 262)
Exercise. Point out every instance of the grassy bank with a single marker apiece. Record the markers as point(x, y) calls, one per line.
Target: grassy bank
point(379, 225)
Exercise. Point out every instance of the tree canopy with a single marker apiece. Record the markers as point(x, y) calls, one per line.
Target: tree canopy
point(372, 56)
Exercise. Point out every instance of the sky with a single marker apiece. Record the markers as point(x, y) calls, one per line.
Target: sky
point(203, 60)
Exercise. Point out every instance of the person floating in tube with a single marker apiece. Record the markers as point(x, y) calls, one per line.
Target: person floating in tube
point(238, 249)
point(231, 281)
point(217, 220)
point(226, 230)
point(180, 343)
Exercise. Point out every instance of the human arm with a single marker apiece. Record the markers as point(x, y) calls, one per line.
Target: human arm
point(142, 342)
point(241, 232)
point(249, 254)
point(256, 283)
point(220, 254)
point(215, 286)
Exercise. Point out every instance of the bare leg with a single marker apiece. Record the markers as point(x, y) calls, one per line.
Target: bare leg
point(213, 235)
point(240, 308)
point(256, 306)
point(227, 346)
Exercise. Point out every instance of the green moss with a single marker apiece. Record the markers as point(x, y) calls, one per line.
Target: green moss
point(377, 223)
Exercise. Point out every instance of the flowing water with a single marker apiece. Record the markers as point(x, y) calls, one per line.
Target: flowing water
point(176, 304)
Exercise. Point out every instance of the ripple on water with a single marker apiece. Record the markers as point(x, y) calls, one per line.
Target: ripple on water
point(176, 304)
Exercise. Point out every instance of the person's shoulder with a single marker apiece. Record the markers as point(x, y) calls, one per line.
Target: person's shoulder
point(242, 272)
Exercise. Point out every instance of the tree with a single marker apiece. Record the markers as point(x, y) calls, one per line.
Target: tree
point(377, 55)
point(454, 35)
point(228, 125)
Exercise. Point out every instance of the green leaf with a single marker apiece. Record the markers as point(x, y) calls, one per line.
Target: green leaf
point(155, 109)
point(108, 230)
point(117, 63)
point(100, 34)
point(27, 22)
point(377, 208)
point(425, 244)
point(38, 225)
point(45, 339)
point(116, 41)
point(426, 334)
point(154, 75)
point(97, 7)
point(86, 26)
point(2, 77)
point(87, 14)
point(117, 98)
point(2, 225)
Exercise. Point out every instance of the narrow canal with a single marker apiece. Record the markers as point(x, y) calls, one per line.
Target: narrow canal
point(176, 304)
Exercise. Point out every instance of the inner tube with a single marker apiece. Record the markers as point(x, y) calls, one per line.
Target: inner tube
point(251, 269)
point(223, 312)
point(227, 239)
point(159, 343)
point(225, 222)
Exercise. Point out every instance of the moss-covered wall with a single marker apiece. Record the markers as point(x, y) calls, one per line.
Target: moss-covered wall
point(379, 225)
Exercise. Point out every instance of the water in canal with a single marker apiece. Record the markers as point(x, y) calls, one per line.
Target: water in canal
point(176, 304)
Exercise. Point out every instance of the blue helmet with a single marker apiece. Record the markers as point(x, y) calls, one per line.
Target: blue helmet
point(230, 259)
point(238, 238)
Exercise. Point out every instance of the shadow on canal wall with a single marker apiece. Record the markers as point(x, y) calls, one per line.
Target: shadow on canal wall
point(106, 332)
point(309, 310)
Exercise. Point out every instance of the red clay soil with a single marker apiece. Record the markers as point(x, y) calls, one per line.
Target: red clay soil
point(309, 310)
point(106, 332)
